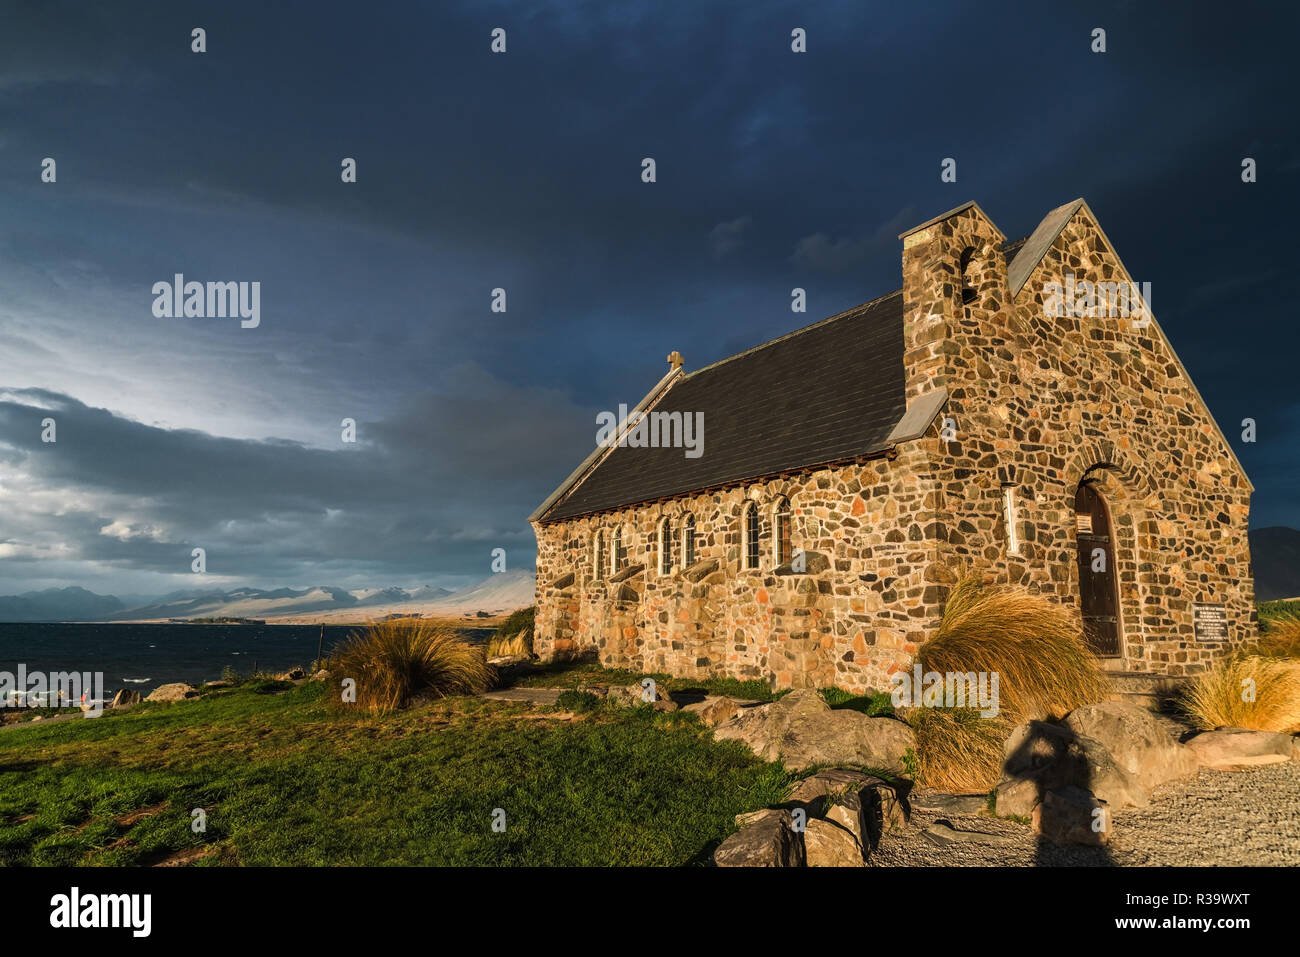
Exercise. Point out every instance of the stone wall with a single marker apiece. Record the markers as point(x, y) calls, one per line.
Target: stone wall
point(1040, 403)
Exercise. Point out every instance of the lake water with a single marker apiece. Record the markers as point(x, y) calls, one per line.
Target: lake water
point(142, 657)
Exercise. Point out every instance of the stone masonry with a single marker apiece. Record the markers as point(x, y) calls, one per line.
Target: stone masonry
point(1034, 402)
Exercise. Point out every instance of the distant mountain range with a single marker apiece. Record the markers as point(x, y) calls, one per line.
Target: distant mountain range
point(1275, 554)
point(504, 592)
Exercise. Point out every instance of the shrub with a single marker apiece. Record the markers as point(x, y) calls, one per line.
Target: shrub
point(1215, 699)
point(956, 749)
point(394, 661)
point(1035, 646)
point(515, 635)
point(1044, 667)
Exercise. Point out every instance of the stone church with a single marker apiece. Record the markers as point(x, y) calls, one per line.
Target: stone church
point(997, 413)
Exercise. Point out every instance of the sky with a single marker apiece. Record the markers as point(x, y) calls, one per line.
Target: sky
point(522, 171)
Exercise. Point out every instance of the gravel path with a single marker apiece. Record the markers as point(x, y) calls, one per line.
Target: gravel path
point(1249, 818)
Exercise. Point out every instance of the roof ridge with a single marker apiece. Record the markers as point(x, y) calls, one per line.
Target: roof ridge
point(796, 332)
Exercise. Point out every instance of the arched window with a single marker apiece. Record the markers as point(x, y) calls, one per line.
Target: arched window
point(781, 531)
point(665, 548)
point(751, 535)
point(598, 555)
point(688, 540)
point(968, 292)
point(616, 551)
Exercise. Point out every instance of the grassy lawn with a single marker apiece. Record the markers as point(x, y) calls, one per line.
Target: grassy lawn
point(283, 781)
point(571, 674)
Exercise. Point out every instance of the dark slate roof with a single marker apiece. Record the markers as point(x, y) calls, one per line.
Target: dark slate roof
point(828, 392)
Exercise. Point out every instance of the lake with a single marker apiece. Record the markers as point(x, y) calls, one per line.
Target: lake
point(142, 657)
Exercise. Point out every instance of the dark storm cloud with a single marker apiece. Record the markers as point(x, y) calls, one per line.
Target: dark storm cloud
point(522, 171)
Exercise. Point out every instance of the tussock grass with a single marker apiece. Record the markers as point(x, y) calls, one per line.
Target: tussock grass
point(1215, 699)
point(504, 646)
point(1036, 646)
point(1280, 637)
point(956, 749)
point(1044, 666)
point(392, 662)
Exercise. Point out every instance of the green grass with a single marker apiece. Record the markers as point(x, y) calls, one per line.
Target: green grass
point(1272, 610)
point(284, 781)
point(876, 704)
point(587, 671)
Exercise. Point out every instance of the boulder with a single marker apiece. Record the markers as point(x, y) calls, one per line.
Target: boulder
point(714, 710)
point(321, 675)
point(125, 698)
point(862, 804)
point(1236, 749)
point(293, 674)
point(1088, 765)
point(631, 696)
point(1072, 816)
point(1052, 757)
point(177, 691)
point(828, 845)
point(1033, 746)
point(223, 683)
point(801, 730)
point(769, 841)
point(966, 804)
point(1017, 797)
point(1136, 739)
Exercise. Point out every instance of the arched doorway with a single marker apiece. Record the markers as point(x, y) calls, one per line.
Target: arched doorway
point(1098, 592)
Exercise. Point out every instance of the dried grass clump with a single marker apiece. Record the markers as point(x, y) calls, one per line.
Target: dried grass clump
point(1215, 699)
point(1280, 638)
point(393, 662)
point(1044, 666)
point(1036, 647)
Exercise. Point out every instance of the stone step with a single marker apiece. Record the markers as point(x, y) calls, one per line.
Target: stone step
point(1142, 687)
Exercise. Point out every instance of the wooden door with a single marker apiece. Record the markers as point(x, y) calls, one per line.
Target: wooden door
point(1098, 595)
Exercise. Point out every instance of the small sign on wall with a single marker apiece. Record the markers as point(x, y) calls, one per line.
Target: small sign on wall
point(1083, 522)
point(1210, 621)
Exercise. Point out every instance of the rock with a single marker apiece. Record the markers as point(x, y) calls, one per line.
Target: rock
point(714, 710)
point(1236, 749)
point(1088, 765)
point(1069, 816)
point(1136, 739)
point(862, 804)
point(508, 661)
point(125, 699)
point(762, 814)
point(1055, 757)
point(769, 841)
point(802, 731)
point(321, 675)
point(1017, 797)
point(219, 684)
point(631, 696)
point(293, 674)
point(177, 691)
point(1033, 746)
point(942, 832)
point(829, 845)
point(966, 804)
